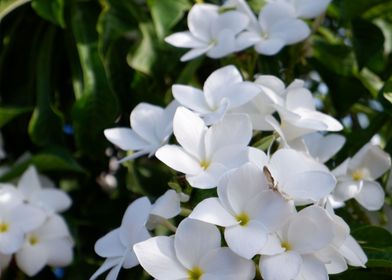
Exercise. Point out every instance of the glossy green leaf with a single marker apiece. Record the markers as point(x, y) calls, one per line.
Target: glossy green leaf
point(51, 10)
point(166, 14)
point(7, 6)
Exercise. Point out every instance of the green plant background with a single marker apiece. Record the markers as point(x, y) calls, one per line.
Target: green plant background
point(71, 68)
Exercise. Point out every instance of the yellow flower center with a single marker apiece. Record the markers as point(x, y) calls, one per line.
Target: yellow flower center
point(4, 227)
point(358, 175)
point(286, 245)
point(195, 273)
point(33, 240)
point(243, 218)
point(204, 164)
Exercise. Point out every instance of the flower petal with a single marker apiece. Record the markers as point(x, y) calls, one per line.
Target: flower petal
point(175, 157)
point(184, 40)
point(107, 264)
point(110, 245)
point(285, 266)
point(200, 19)
point(125, 138)
point(371, 196)
point(312, 268)
point(31, 259)
point(191, 98)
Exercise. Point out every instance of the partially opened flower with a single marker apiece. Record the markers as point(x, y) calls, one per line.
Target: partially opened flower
point(210, 32)
point(246, 209)
point(151, 129)
point(305, 8)
point(51, 244)
point(46, 197)
point(194, 252)
point(206, 153)
point(276, 28)
point(16, 219)
point(116, 246)
point(223, 91)
point(357, 177)
point(307, 232)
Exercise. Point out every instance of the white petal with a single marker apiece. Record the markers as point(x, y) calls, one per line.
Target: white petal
point(191, 98)
point(332, 259)
point(54, 227)
point(31, 259)
point(233, 129)
point(225, 44)
point(211, 211)
point(271, 82)
point(51, 199)
point(107, 264)
point(233, 20)
point(221, 78)
point(10, 197)
point(300, 98)
point(270, 46)
point(222, 263)
point(167, 205)
point(157, 256)
point(272, 246)
point(353, 253)
point(184, 40)
point(312, 268)
point(134, 220)
point(28, 217)
point(218, 114)
point(125, 138)
point(246, 39)
point(193, 240)
point(109, 245)
point(175, 157)
point(200, 19)
point(113, 273)
point(11, 241)
point(193, 53)
point(371, 196)
point(291, 31)
point(60, 252)
point(285, 266)
point(144, 118)
point(246, 241)
point(29, 182)
point(324, 147)
point(209, 178)
point(311, 8)
point(257, 157)
point(345, 190)
point(189, 130)
point(310, 230)
point(231, 156)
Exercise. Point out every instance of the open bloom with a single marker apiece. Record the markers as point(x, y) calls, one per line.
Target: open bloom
point(307, 232)
point(46, 197)
point(51, 244)
point(207, 153)
point(210, 32)
point(151, 129)
point(223, 90)
point(357, 177)
point(16, 219)
point(116, 246)
point(276, 28)
point(245, 209)
point(194, 252)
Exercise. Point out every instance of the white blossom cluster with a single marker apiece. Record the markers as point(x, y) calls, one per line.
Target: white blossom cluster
point(31, 228)
point(273, 210)
point(218, 31)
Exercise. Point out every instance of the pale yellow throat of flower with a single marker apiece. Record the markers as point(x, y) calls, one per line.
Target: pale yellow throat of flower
point(195, 273)
point(4, 227)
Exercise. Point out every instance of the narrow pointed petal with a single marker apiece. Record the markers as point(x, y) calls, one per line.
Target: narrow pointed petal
point(193, 240)
point(211, 211)
point(107, 264)
point(157, 256)
point(184, 40)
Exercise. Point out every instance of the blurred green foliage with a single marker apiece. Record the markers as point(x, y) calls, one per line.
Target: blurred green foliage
point(71, 68)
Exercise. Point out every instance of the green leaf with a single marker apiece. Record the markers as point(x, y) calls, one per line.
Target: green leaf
point(144, 57)
point(7, 6)
point(166, 14)
point(9, 113)
point(46, 124)
point(368, 41)
point(351, 9)
point(51, 10)
point(97, 107)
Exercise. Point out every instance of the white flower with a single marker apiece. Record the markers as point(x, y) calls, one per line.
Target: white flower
point(165, 207)
point(151, 129)
point(298, 177)
point(51, 244)
point(305, 8)
point(223, 90)
point(299, 116)
point(357, 177)
point(210, 32)
point(47, 197)
point(16, 219)
point(307, 232)
point(206, 153)
point(246, 210)
point(116, 246)
point(194, 252)
point(276, 28)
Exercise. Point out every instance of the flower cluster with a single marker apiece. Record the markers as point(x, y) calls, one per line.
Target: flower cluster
point(275, 209)
point(218, 31)
point(31, 228)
